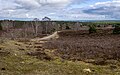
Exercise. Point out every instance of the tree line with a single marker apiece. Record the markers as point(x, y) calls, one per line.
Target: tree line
point(31, 29)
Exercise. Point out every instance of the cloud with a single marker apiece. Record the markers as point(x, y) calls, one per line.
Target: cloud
point(57, 9)
point(33, 8)
point(28, 4)
point(111, 9)
point(32, 4)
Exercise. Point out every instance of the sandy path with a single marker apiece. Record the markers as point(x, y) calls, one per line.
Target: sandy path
point(46, 38)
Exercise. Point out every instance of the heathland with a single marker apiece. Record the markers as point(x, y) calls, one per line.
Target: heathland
point(59, 48)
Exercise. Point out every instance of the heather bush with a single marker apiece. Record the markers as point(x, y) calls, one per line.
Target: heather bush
point(84, 47)
point(92, 29)
point(53, 30)
point(67, 28)
point(116, 30)
point(0, 27)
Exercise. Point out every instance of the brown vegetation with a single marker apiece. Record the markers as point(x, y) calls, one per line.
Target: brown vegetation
point(77, 46)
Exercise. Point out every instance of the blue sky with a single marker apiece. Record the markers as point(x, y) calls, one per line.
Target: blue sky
point(60, 9)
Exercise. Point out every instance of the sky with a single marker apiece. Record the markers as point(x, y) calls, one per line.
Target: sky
point(60, 9)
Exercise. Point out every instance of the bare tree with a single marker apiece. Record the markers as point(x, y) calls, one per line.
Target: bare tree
point(6, 25)
point(76, 26)
point(36, 27)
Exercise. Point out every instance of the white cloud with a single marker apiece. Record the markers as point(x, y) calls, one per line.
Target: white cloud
point(110, 9)
point(29, 4)
point(57, 9)
point(33, 8)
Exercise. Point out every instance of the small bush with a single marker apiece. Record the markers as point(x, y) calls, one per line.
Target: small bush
point(67, 28)
point(53, 30)
point(116, 30)
point(92, 29)
point(0, 27)
point(98, 26)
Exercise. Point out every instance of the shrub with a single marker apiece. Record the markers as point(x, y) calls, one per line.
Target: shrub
point(92, 29)
point(98, 26)
point(67, 28)
point(116, 30)
point(0, 27)
point(53, 30)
